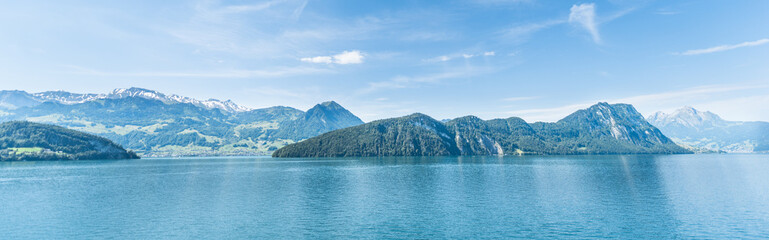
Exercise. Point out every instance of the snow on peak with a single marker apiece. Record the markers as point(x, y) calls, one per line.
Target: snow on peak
point(67, 97)
point(74, 98)
point(688, 117)
point(173, 98)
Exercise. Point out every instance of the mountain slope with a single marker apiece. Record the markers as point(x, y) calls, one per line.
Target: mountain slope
point(413, 135)
point(13, 99)
point(709, 132)
point(600, 129)
point(66, 97)
point(151, 94)
point(154, 124)
point(16, 99)
point(605, 128)
point(34, 141)
point(321, 118)
point(474, 136)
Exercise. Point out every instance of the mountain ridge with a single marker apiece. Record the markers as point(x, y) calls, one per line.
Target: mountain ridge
point(149, 123)
point(600, 129)
point(69, 98)
point(706, 131)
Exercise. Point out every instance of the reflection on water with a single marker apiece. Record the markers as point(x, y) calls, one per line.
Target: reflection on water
point(636, 196)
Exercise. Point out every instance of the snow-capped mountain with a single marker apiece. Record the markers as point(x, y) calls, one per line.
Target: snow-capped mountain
point(227, 105)
point(708, 131)
point(15, 99)
point(688, 117)
point(66, 97)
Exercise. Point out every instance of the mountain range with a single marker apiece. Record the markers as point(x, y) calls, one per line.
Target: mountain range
point(155, 124)
point(10, 100)
point(601, 129)
point(706, 131)
point(152, 123)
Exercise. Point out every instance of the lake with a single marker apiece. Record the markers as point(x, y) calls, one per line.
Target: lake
point(633, 196)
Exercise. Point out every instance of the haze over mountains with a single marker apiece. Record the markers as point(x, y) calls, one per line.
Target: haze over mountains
point(600, 129)
point(154, 124)
point(706, 131)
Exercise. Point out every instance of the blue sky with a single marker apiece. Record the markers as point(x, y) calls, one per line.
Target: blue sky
point(539, 60)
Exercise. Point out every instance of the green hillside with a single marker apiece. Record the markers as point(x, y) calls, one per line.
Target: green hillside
point(21, 141)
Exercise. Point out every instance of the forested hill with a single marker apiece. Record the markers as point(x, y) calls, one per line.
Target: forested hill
point(20, 140)
point(600, 129)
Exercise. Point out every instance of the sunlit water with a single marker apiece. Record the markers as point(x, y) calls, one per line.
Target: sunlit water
point(679, 196)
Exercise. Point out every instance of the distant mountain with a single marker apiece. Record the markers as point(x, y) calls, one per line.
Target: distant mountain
point(600, 129)
point(34, 141)
point(10, 100)
point(154, 124)
point(66, 97)
point(321, 118)
point(604, 128)
point(14, 99)
point(150, 94)
point(706, 131)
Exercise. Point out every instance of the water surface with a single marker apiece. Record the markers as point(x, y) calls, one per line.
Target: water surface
point(675, 196)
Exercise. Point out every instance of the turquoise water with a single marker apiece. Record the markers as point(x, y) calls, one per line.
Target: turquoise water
point(680, 196)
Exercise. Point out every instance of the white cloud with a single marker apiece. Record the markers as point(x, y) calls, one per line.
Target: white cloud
point(346, 57)
point(467, 55)
point(724, 47)
point(584, 15)
point(318, 59)
point(349, 57)
point(489, 53)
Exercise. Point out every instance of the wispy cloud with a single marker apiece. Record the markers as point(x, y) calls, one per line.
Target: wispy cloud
point(443, 58)
point(525, 30)
point(724, 47)
point(346, 57)
point(446, 58)
point(584, 16)
point(666, 11)
point(246, 8)
point(517, 99)
point(299, 10)
point(241, 30)
point(229, 73)
point(284, 93)
point(413, 81)
point(500, 2)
